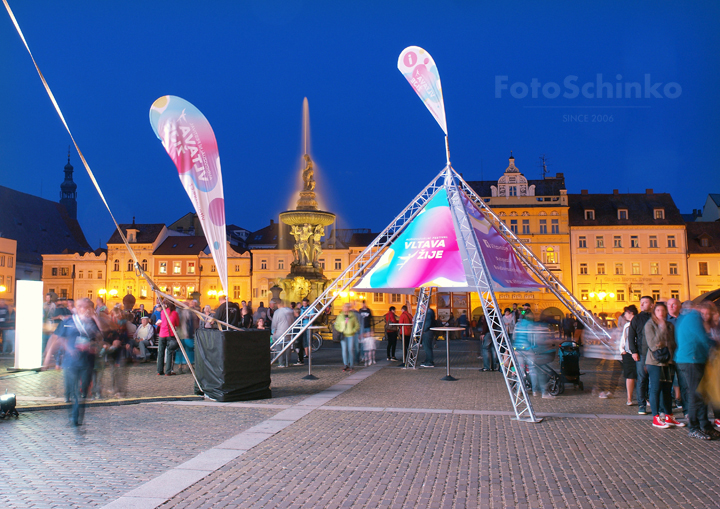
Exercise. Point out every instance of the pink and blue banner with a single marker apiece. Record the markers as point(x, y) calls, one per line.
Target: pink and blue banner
point(425, 254)
point(420, 70)
point(190, 142)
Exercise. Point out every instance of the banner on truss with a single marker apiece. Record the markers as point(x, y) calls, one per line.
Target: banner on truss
point(190, 142)
point(420, 70)
point(427, 253)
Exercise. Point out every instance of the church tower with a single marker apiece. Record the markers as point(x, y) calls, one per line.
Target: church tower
point(68, 190)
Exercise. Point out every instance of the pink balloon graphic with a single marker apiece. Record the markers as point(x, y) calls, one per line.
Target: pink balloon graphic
point(216, 211)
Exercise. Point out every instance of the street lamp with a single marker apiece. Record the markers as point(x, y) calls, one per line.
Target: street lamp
point(212, 293)
point(113, 292)
point(3, 288)
point(102, 291)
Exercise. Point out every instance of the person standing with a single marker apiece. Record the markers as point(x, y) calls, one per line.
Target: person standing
point(348, 325)
point(391, 333)
point(679, 386)
point(283, 318)
point(509, 322)
point(406, 317)
point(229, 313)
point(629, 368)
point(660, 341)
point(7, 344)
point(568, 327)
point(638, 348)
point(463, 322)
point(427, 338)
point(167, 338)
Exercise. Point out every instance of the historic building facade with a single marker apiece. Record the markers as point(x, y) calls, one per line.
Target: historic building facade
point(8, 255)
point(75, 275)
point(703, 257)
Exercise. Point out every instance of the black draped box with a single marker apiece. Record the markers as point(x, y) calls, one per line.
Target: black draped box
point(233, 365)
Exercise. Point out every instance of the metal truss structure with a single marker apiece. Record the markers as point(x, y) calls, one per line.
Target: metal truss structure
point(418, 323)
point(357, 268)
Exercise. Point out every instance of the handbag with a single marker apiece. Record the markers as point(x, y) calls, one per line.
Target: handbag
point(662, 355)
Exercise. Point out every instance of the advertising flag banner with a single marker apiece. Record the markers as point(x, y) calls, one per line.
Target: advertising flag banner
point(425, 254)
point(506, 270)
point(190, 142)
point(420, 70)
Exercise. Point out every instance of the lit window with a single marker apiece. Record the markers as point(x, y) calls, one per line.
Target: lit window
point(583, 268)
point(191, 267)
point(212, 268)
point(659, 214)
point(634, 242)
point(143, 291)
point(543, 226)
point(550, 256)
point(702, 268)
point(636, 294)
point(584, 295)
point(582, 242)
point(617, 241)
point(671, 241)
point(654, 268)
point(653, 241)
point(635, 269)
point(177, 267)
point(555, 225)
point(163, 267)
point(236, 292)
point(190, 290)
point(395, 297)
point(589, 215)
point(378, 297)
point(601, 269)
point(673, 269)
point(64, 271)
point(618, 269)
point(600, 242)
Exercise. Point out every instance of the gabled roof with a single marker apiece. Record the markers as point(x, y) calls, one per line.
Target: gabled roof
point(640, 209)
point(39, 226)
point(549, 186)
point(699, 230)
point(147, 233)
point(181, 245)
point(715, 198)
point(362, 239)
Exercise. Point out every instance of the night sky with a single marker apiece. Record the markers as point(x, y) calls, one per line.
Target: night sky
point(248, 65)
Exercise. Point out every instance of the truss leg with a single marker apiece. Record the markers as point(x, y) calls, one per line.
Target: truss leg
point(418, 322)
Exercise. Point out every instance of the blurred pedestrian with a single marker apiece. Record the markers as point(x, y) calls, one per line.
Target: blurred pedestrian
point(428, 336)
point(348, 325)
point(406, 330)
point(391, 333)
point(167, 343)
point(629, 364)
point(282, 320)
point(144, 336)
point(638, 347)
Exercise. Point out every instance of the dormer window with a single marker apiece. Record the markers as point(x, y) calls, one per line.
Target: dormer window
point(659, 213)
point(705, 242)
point(622, 214)
point(589, 215)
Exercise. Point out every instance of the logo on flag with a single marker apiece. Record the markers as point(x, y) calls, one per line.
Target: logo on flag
point(420, 70)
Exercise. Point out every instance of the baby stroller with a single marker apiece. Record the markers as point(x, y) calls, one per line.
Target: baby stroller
point(569, 355)
point(541, 362)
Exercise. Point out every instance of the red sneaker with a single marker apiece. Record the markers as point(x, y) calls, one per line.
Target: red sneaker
point(659, 423)
point(717, 423)
point(669, 419)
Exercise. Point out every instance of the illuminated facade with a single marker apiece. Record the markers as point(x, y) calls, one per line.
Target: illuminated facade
point(75, 275)
point(703, 260)
point(8, 256)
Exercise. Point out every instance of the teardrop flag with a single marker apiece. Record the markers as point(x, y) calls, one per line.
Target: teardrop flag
point(190, 142)
point(420, 70)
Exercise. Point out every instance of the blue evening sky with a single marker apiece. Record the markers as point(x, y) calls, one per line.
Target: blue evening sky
point(248, 65)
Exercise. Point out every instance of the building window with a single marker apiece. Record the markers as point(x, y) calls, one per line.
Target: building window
point(338, 264)
point(582, 242)
point(263, 264)
point(635, 269)
point(212, 268)
point(90, 274)
point(622, 214)
point(634, 242)
point(675, 294)
point(99, 274)
point(256, 293)
point(10, 262)
point(176, 291)
point(636, 294)
point(191, 267)
point(64, 271)
point(143, 292)
point(2, 260)
point(513, 190)
point(584, 294)
point(177, 267)
point(378, 297)
point(653, 240)
point(702, 268)
point(555, 225)
point(600, 242)
point(281, 264)
point(514, 226)
point(583, 268)
point(671, 241)
point(618, 269)
point(620, 295)
point(656, 295)
point(81, 275)
point(654, 268)
point(589, 215)
point(322, 263)
point(395, 297)
point(543, 226)
point(526, 226)
point(601, 269)
point(144, 265)
point(116, 266)
point(237, 268)
point(236, 292)
point(130, 266)
point(54, 271)
point(163, 267)
point(704, 242)
point(63, 293)
point(659, 213)
point(673, 269)
point(617, 241)
point(90, 294)
point(550, 255)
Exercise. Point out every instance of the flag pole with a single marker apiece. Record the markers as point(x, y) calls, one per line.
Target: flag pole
point(447, 150)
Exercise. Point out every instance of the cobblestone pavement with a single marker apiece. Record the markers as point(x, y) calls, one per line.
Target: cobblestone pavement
point(47, 463)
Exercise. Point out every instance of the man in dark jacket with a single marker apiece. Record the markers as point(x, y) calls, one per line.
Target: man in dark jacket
point(427, 338)
point(229, 313)
point(638, 348)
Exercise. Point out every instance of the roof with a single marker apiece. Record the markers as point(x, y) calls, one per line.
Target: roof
point(147, 233)
point(696, 231)
point(181, 245)
point(362, 239)
point(640, 209)
point(39, 226)
point(716, 198)
point(267, 236)
point(549, 186)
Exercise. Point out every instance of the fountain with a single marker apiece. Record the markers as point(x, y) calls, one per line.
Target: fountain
point(307, 226)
